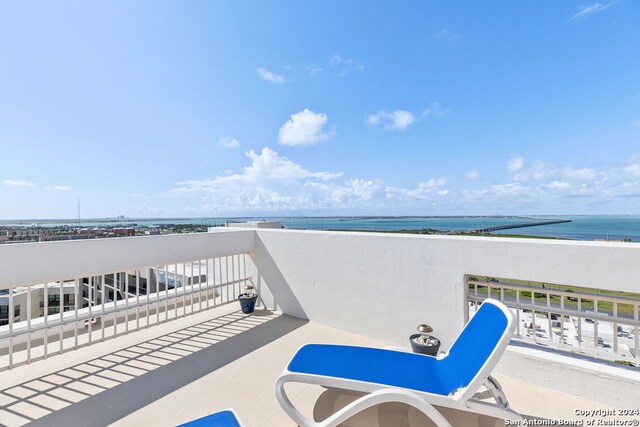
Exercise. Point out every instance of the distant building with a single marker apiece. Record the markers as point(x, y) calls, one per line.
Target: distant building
point(56, 237)
point(121, 231)
point(153, 231)
point(22, 232)
point(21, 297)
point(94, 290)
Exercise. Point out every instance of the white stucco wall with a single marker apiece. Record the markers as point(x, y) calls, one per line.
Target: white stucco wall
point(384, 285)
point(33, 263)
point(378, 285)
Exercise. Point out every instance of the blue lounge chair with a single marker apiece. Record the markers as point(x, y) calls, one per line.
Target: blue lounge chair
point(450, 380)
point(226, 418)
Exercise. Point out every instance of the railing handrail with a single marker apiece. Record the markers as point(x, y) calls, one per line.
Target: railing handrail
point(30, 264)
point(572, 294)
point(603, 317)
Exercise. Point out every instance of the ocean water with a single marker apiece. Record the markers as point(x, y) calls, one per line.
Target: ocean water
point(587, 227)
point(581, 227)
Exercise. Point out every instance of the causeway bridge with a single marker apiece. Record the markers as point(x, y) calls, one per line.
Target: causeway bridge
point(519, 225)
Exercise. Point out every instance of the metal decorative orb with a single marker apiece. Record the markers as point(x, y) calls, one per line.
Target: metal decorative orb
point(425, 329)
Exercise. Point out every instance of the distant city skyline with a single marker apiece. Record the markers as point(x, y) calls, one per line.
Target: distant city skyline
point(337, 108)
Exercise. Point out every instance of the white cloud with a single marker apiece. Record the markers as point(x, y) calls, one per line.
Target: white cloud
point(633, 170)
point(472, 175)
point(18, 183)
point(228, 142)
point(435, 109)
point(402, 119)
point(559, 185)
point(395, 120)
point(314, 69)
point(423, 192)
point(345, 65)
point(539, 171)
point(515, 164)
point(433, 183)
point(57, 187)
point(275, 183)
point(304, 128)
point(271, 77)
point(577, 173)
point(588, 10)
point(551, 188)
point(445, 34)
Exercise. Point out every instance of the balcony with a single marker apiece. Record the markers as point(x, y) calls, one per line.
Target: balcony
point(177, 353)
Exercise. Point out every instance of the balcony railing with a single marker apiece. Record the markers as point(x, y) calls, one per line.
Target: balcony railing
point(561, 319)
point(322, 276)
point(208, 282)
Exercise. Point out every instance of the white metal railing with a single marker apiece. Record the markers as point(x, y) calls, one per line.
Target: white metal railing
point(560, 317)
point(107, 305)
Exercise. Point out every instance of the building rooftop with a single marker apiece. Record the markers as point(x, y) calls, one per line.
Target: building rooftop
point(178, 354)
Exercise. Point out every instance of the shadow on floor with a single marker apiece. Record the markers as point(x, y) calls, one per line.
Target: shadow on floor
point(104, 390)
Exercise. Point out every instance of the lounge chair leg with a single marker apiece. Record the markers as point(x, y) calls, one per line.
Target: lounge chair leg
point(288, 407)
point(367, 401)
point(496, 390)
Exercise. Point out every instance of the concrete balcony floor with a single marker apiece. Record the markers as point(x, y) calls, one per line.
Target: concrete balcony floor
point(219, 358)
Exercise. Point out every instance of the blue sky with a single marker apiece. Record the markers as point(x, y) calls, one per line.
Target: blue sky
point(285, 108)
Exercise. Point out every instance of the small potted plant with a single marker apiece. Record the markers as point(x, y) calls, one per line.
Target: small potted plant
point(423, 342)
point(248, 298)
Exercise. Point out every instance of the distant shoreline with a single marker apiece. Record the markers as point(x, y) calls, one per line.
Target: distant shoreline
point(580, 227)
point(261, 217)
point(28, 221)
point(431, 232)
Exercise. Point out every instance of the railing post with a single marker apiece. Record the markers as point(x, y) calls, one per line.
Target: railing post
point(636, 330)
point(580, 317)
point(562, 336)
point(126, 302)
point(615, 327)
point(61, 294)
point(549, 318)
point(76, 285)
point(102, 308)
point(137, 298)
point(90, 294)
point(518, 312)
point(466, 298)
point(595, 324)
point(46, 318)
point(10, 316)
point(29, 324)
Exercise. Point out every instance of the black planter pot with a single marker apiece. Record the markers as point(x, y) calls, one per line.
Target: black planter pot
point(430, 350)
point(247, 302)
